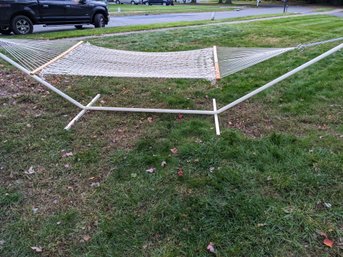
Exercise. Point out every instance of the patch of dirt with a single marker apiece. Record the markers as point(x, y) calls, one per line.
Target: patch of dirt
point(125, 137)
point(56, 187)
point(257, 120)
point(14, 83)
point(250, 118)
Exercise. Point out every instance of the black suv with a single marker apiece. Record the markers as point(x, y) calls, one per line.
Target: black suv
point(19, 16)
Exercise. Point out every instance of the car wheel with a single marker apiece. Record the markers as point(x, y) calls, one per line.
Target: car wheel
point(78, 26)
point(164, 3)
point(146, 3)
point(5, 31)
point(99, 20)
point(117, 2)
point(133, 2)
point(21, 25)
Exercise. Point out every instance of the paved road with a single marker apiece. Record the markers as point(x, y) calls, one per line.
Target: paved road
point(165, 18)
point(338, 14)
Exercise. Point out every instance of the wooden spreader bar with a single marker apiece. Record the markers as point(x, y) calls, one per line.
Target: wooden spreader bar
point(56, 58)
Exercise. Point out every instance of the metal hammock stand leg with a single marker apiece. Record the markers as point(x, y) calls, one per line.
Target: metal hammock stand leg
point(215, 112)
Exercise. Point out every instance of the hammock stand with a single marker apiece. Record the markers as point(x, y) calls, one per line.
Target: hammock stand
point(215, 112)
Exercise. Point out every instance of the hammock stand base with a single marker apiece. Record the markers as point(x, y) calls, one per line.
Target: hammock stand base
point(81, 113)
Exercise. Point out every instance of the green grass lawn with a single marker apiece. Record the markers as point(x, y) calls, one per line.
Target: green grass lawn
point(266, 187)
point(127, 9)
point(144, 28)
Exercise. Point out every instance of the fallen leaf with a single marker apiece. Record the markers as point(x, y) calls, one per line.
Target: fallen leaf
point(321, 233)
point(34, 210)
point(180, 172)
point(37, 249)
point(150, 120)
point(67, 154)
point(174, 150)
point(210, 248)
point(180, 116)
point(95, 184)
point(328, 242)
point(30, 171)
point(211, 169)
point(86, 238)
point(151, 170)
point(163, 164)
point(133, 175)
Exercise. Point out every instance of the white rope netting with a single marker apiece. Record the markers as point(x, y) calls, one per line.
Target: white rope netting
point(232, 60)
point(90, 60)
point(32, 54)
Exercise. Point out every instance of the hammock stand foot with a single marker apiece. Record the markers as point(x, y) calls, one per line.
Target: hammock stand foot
point(77, 117)
point(216, 120)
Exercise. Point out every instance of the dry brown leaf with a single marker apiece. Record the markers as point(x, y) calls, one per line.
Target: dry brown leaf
point(321, 233)
point(328, 242)
point(67, 154)
point(86, 238)
point(180, 172)
point(174, 150)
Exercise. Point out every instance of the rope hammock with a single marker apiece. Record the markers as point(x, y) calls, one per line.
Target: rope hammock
point(67, 57)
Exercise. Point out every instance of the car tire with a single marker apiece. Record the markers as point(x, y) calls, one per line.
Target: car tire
point(164, 4)
point(5, 31)
point(117, 2)
point(78, 26)
point(133, 2)
point(99, 20)
point(21, 25)
point(147, 3)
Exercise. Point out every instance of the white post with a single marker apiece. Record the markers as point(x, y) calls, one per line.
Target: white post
point(216, 120)
point(77, 117)
point(147, 110)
